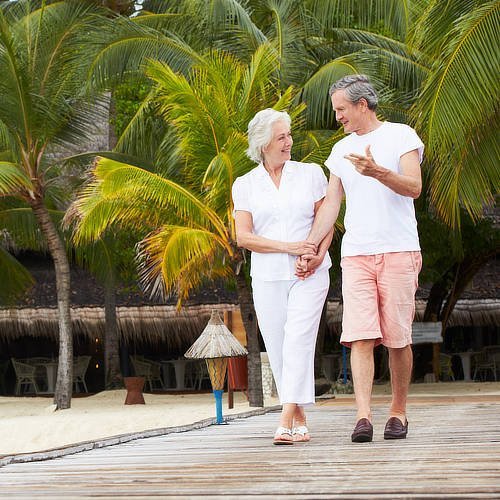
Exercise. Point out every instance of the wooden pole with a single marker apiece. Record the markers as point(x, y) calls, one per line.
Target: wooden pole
point(228, 321)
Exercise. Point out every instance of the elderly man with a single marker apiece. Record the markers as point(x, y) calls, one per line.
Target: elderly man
point(377, 166)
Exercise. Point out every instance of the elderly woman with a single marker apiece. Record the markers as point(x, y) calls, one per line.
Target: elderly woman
point(274, 208)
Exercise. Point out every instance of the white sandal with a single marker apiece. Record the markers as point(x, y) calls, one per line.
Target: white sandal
point(283, 435)
point(301, 434)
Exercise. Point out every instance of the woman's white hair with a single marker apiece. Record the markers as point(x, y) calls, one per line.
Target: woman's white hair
point(260, 131)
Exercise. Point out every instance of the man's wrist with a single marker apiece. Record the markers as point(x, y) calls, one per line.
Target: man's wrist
point(381, 173)
point(312, 239)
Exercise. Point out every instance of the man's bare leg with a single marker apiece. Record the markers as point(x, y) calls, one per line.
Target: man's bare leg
point(362, 369)
point(400, 366)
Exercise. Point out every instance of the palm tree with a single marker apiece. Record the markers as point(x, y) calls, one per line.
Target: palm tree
point(191, 230)
point(44, 112)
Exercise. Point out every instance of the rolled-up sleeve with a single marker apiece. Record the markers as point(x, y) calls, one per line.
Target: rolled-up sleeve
point(240, 196)
point(319, 183)
point(410, 141)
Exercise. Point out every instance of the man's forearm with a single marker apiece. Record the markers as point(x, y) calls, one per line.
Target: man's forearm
point(404, 185)
point(326, 242)
point(323, 222)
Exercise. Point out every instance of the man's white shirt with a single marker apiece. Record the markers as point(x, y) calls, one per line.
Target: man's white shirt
point(377, 219)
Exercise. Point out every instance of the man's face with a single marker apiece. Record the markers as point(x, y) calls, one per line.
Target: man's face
point(278, 151)
point(351, 115)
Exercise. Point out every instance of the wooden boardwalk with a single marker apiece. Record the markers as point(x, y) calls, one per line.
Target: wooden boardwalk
point(452, 451)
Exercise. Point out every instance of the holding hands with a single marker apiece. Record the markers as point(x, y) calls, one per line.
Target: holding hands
point(305, 265)
point(301, 248)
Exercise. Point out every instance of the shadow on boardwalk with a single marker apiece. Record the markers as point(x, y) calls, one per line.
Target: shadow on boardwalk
point(452, 451)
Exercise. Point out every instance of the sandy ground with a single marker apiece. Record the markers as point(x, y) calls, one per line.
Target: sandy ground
point(29, 424)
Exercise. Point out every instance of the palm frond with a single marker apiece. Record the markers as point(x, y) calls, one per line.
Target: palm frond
point(13, 179)
point(314, 146)
point(434, 21)
point(468, 177)
point(130, 46)
point(22, 228)
point(144, 133)
point(123, 194)
point(170, 259)
point(257, 81)
point(8, 144)
point(98, 257)
point(464, 86)
point(314, 93)
point(393, 18)
point(222, 171)
point(15, 278)
point(285, 24)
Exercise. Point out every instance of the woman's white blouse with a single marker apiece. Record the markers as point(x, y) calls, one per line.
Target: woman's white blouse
point(284, 214)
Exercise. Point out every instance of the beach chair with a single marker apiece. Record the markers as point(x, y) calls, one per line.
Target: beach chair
point(483, 365)
point(150, 370)
point(80, 366)
point(25, 377)
point(445, 367)
point(203, 374)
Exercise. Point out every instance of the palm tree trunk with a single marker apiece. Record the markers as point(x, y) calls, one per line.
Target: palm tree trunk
point(464, 274)
point(113, 377)
point(255, 395)
point(437, 295)
point(64, 384)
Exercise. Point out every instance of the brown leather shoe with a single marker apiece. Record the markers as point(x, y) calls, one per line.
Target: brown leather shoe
point(363, 432)
point(394, 429)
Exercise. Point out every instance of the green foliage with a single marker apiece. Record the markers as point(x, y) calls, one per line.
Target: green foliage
point(127, 99)
point(442, 246)
point(15, 278)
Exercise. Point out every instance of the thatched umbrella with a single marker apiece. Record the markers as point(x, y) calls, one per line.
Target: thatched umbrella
point(215, 344)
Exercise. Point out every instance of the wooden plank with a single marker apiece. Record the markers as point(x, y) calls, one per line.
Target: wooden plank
point(452, 451)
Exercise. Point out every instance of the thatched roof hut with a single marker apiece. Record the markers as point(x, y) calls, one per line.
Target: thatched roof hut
point(139, 318)
point(176, 329)
point(153, 324)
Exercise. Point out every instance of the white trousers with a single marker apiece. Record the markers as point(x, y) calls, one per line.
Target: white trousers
point(288, 313)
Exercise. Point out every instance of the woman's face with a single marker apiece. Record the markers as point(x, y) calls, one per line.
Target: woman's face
point(278, 151)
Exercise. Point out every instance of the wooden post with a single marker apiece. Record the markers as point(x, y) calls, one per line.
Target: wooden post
point(228, 321)
point(435, 360)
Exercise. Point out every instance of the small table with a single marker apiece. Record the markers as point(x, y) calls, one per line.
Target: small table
point(51, 370)
point(180, 371)
point(465, 357)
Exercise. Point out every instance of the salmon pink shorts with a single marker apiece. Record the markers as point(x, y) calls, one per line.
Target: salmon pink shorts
point(379, 297)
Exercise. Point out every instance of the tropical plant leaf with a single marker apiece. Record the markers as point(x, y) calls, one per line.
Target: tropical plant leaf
point(15, 278)
point(12, 179)
point(463, 86)
point(172, 256)
point(123, 194)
